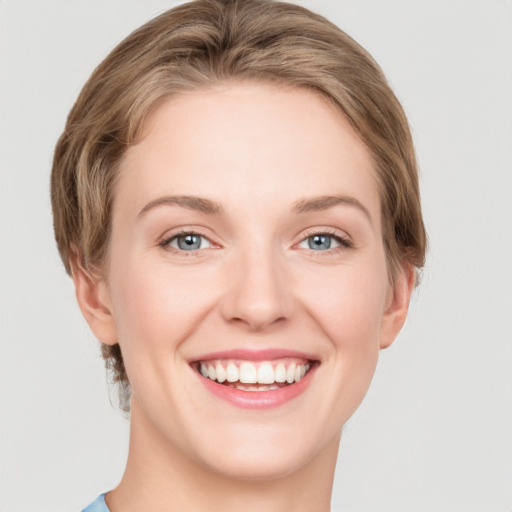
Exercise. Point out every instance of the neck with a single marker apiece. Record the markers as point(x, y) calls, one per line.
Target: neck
point(160, 477)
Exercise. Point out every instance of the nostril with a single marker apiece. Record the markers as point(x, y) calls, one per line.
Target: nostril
point(258, 320)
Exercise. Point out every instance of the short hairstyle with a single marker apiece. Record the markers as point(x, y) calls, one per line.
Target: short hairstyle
point(198, 45)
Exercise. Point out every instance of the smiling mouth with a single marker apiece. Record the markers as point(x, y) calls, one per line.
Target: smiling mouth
point(255, 376)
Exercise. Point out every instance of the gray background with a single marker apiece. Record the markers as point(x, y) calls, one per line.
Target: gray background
point(435, 431)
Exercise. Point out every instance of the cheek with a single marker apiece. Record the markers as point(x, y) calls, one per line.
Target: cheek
point(156, 311)
point(157, 306)
point(348, 303)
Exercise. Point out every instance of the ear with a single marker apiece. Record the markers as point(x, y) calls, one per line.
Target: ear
point(397, 305)
point(93, 298)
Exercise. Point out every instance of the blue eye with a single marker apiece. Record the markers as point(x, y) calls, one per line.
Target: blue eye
point(188, 242)
point(324, 242)
point(320, 242)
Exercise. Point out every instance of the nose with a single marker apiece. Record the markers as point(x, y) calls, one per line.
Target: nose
point(257, 294)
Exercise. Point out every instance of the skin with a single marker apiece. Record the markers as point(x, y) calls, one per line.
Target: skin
point(257, 152)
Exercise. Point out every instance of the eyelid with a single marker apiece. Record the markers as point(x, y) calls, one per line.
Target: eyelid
point(171, 235)
point(342, 237)
point(174, 242)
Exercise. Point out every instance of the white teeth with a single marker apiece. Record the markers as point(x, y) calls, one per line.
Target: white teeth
point(261, 387)
point(232, 373)
point(221, 373)
point(262, 376)
point(290, 374)
point(266, 374)
point(280, 373)
point(248, 373)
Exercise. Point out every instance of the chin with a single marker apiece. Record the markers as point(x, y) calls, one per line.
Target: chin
point(260, 463)
point(265, 452)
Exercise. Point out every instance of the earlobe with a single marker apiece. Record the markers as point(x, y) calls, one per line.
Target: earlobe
point(93, 298)
point(398, 306)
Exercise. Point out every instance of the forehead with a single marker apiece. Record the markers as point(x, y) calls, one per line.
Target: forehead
point(255, 141)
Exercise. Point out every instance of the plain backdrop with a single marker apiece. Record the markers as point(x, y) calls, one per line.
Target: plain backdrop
point(435, 431)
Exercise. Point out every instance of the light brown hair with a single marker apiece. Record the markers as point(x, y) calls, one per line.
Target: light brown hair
point(203, 43)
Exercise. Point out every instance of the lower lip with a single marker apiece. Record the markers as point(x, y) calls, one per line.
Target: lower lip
point(258, 399)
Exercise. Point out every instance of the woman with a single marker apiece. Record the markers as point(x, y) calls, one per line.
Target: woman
point(236, 197)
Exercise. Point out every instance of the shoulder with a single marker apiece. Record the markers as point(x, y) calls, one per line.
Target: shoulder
point(98, 505)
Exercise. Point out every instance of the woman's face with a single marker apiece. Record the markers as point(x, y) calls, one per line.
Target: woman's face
point(247, 246)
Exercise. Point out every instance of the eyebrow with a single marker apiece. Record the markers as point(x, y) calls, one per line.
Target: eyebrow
point(203, 205)
point(191, 202)
point(319, 203)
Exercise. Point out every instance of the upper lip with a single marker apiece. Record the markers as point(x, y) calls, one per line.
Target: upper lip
point(267, 354)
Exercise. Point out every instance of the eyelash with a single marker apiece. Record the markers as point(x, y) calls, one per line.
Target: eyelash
point(345, 243)
point(165, 243)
